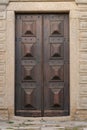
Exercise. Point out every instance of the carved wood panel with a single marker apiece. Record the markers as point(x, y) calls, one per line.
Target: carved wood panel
point(56, 61)
point(28, 71)
point(42, 65)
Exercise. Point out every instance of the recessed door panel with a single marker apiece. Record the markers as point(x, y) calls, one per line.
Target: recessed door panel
point(42, 65)
point(56, 62)
point(28, 65)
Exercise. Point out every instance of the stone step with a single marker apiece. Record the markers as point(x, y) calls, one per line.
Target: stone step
point(52, 128)
point(43, 125)
point(43, 128)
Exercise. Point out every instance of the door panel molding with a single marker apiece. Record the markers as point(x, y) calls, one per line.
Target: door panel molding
point(42, 64)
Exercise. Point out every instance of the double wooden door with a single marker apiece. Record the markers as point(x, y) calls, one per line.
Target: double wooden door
point(42, 65)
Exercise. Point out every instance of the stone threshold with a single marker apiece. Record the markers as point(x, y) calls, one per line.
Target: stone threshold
point(44, 128)
point(42, 125)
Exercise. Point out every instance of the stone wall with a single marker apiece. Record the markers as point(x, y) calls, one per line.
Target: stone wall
point(3, 34)
point(78, 51)
point(82, 39)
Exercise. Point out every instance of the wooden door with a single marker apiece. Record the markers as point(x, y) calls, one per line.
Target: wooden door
point(56, 65)
point(42, 65)
point(28, 65)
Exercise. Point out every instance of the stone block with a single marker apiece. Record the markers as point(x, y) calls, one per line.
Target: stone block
point(83, 24)
point(1, 89)
point(83, 67)
point(2, 41)
point(83, 102)
point(83, 56)
point(83, 89)
point(83, 78)
point(52, 128)
point(2, 57)
point(3, 113)
point(83, 15)
point(39, 0)
point(2, 83)
point(1, 101)
point(29, 128)
point(41, 6)
point(2, 7)
point(2, 25)
point(81, 1)
point(4, 1)
point(2, 68)
point(83, 45)
point(74, 14)
point(2, 37)
point(83, 34)
point(2, 47)
point(2, 15)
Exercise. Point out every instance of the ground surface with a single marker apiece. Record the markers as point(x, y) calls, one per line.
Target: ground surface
point(42, 125)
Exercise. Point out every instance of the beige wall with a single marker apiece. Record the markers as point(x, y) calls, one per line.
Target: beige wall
point(78, 52)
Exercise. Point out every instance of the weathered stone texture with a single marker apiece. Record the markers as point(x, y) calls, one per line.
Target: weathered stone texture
point(2, 15)
point(83, 45)
point(81, 1)
point(4, 1)
point(2, 83)
point(81, 114)
point(3, 111)
point(78, 51)
point(40, 0)
point(82, 58)
point(83, 24)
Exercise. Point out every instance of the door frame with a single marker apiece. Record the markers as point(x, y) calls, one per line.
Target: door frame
point(42, 7)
